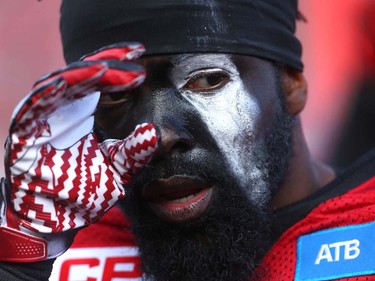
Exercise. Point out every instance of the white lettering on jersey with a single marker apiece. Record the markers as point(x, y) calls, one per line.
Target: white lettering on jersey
point(98, 264)
point(332, 253)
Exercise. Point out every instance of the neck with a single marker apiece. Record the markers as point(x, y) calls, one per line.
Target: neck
point(305, 174)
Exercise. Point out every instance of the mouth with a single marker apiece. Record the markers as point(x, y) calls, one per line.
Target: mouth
point(179, 198)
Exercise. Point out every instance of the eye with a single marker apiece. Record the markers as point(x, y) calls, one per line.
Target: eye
point(116, 98)
point(207, 80)
point(112, 108)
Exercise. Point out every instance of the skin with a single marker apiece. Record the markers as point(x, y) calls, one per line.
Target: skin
point(116, 118)
point(214, 113)
point(306, 175)
point(233, 109)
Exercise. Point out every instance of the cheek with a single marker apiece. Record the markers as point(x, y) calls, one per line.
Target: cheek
point(233, 119)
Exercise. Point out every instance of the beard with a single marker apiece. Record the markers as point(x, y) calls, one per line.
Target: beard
point(229, 240)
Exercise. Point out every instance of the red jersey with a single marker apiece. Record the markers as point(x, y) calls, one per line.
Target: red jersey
point(104, 251)
point(328, 236)
point(352, 212)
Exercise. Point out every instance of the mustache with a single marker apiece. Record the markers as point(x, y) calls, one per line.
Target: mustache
point(195, 163)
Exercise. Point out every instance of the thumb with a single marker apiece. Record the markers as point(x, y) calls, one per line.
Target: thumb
point(128, 156)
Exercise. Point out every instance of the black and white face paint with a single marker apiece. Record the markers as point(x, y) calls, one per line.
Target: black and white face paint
point(230, 113)
point(230, 150)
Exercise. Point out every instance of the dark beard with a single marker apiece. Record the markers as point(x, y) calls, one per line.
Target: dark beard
point(230, 239)
point(224, 244)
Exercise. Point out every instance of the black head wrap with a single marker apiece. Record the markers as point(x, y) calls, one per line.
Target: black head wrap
point(262, 28)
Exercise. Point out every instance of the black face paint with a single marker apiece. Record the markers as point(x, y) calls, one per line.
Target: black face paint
point(229, 239)
point(248, 27)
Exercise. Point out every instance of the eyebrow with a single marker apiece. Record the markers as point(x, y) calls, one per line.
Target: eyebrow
point(181, 58)
point(176, 60)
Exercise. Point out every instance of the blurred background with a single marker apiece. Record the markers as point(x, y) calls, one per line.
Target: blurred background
point(339, 56)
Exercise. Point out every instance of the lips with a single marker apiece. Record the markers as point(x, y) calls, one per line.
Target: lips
point(179, 198)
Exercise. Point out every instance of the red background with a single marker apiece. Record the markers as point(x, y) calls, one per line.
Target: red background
point(332, 41)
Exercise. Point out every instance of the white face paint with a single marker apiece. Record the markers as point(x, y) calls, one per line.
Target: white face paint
point(231, 114)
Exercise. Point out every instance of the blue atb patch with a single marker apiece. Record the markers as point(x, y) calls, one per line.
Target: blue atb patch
point(337, 252)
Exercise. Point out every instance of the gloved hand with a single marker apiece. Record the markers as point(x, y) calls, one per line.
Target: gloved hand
point(59, 176)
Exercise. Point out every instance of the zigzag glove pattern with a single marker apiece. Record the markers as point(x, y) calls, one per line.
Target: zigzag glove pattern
point(60, 175)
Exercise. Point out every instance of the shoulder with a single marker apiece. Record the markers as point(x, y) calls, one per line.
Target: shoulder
point(328, 234)
point(351, 186)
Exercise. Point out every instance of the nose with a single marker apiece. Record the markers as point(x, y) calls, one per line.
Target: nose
point(173, 117)
point(174, 139)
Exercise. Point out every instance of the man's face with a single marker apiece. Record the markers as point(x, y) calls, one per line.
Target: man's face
point(200, 209)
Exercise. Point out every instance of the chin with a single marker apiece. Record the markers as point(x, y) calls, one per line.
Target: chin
point(225, 242)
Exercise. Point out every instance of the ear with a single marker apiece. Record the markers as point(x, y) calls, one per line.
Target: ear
point(295, 90)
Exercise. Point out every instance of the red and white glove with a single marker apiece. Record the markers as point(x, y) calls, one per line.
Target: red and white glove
point(60, 177)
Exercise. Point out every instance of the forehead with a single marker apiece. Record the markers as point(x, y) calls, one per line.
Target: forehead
point(245, 66)
point(186, 61)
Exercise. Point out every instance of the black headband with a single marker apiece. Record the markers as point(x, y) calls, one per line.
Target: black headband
point(262, 28)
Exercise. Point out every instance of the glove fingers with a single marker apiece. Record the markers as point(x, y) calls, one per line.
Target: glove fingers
point(80, 77)
point(83, 78)
point(40, 102)
point(121, 76)
point(124, 51)
point(74, 82)
point(129, 155)
point(51, 92)
point(61, 178)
